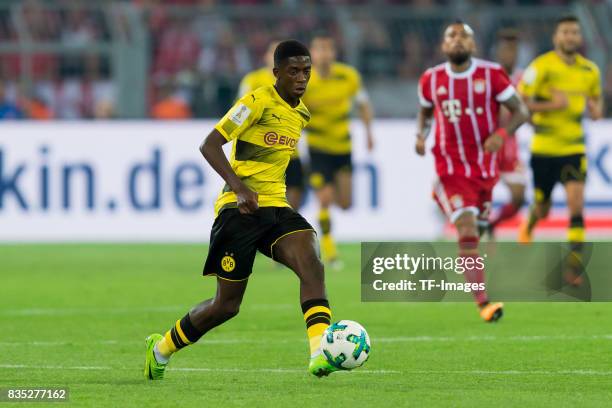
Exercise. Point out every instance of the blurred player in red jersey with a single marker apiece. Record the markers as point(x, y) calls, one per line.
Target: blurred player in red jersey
point(464, 96)
point(512, 172)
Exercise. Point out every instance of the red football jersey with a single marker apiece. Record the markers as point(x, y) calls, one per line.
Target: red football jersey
point(466, 112)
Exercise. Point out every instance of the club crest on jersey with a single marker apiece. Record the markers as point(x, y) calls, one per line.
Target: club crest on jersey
point(457, 201)
point(228, 263)
point(272, 138)
point(441, 90)
point(480, 86)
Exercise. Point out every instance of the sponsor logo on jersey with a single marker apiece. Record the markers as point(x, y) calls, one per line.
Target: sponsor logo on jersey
point(441, 90)
point(272, 138)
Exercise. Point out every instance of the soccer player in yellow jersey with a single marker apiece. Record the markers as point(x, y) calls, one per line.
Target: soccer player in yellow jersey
point(252, 213)
point(559, 87)
point(333, 89)
point(294, 178)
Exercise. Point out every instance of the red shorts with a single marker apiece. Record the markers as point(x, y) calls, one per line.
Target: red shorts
point(457, 194)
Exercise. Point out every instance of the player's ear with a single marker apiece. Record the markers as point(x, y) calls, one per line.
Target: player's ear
point(276, 72)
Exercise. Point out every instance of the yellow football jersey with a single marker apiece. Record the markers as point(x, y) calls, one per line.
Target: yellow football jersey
point(256, 79)
point(560, 133)
point(330, 101)
point(265, 131)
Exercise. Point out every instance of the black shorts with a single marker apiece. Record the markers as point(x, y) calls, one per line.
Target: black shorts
point(235, 238)
point(550, 170)
point(324, 166)
point(294, 176)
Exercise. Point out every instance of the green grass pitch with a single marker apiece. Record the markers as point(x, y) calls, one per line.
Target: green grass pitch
point(77, 316)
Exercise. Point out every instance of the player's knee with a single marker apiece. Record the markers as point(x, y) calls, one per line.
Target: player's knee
point(466, 225)
point(227, 309)
point(310, 268)
point(542, 210)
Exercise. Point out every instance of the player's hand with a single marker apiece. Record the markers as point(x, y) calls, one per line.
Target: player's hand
point(595, 109)
point(494, 143)
point(559, 99)
point(420, 146)
point(246, 200)
point(370, 141)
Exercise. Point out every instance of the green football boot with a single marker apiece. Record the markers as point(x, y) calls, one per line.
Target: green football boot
point(320, 367)
point(152, 369)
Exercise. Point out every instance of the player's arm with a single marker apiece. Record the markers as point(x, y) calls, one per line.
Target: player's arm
point(533, 85)
point(518, 115)
point(212, 150)
point(426, 113)
point(558, 101)
point(595, 107)
point(364, 107)
point(424, 122)
point(595, 104)
point(366, 113)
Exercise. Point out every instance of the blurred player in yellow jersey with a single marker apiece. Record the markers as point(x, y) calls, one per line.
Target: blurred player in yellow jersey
point(559, 86)
point(333, 89)
point(294, 177)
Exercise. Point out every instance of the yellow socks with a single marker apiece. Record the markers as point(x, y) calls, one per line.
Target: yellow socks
point(317, 316)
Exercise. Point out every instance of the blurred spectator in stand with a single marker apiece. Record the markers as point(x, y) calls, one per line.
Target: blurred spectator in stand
point(8, 110)
point(170, 106)
point(411, 66)
point(37, 109)
point(99, 89)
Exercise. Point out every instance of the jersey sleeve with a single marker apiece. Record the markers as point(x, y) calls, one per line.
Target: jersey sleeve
point(424, 90)
point(359, 91)
point(595, 91)
point(240, 117)
point(502, 85)
point(531, 81)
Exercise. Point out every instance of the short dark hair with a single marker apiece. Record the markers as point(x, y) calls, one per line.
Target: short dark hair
point(287, 49)
point(570, 18)
point(509, 34)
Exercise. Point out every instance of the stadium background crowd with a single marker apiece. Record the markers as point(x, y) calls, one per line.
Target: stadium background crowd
point(198, 50)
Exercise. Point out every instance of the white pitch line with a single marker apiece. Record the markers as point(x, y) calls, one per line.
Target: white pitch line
point(128, 310)
point(191, 369)
point(298, 371)
point(514, 372)
point(375, 340)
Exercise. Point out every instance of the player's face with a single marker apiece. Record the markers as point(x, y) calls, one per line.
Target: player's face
point(458, 44)
point(507, 53)
point(568, 37)
point(323, 51)
point(293, 75)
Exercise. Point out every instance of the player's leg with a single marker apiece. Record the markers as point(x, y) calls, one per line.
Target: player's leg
point(322, 182)
point(233, 244)
point(299, 252)
point(546, 173)
point(344, 187)
point(573, 178)
point(516, 188)
point(462, 200)
point(203, 317)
